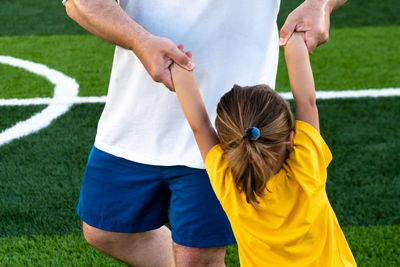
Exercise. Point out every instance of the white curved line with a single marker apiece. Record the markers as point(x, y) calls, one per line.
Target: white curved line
point(65, 90)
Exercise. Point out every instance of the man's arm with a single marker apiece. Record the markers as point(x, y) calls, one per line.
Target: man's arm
point(193, 107)
point(313, 18)
point(107, 20)
point(301, 80)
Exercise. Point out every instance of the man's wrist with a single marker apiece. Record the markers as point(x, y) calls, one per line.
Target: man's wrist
point(326, 5)
point(139, 38)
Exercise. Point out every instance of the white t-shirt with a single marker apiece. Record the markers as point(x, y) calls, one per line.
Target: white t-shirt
point(233, 42)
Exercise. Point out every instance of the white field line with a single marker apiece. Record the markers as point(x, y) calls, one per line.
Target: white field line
point(321, 95)
point(65, 89)
point(47, 100)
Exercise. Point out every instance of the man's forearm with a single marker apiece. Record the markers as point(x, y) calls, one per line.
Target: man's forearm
point(329, 5)
point(106, 20)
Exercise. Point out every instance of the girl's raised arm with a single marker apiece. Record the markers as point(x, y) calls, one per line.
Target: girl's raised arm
point(301, 80)
point(193, 107)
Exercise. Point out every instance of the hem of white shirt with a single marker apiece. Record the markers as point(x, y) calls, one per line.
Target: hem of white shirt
point(143, 159)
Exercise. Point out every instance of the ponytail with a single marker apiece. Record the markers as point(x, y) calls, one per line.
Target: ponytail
point(253, 160)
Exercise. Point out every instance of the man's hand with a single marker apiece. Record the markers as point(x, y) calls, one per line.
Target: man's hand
point(157, 55)
point(107, 20)
point(313, 18)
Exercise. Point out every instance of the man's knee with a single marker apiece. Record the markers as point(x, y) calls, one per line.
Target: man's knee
point(95, 237)
point(189, 256)
point(152, 248)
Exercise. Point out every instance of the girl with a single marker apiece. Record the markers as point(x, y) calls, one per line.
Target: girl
point(269, 171)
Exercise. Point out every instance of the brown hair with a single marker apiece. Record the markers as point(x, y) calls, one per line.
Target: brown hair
point(252, 162)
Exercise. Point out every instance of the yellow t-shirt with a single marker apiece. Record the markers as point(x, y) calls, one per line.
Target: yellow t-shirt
point(295, 224)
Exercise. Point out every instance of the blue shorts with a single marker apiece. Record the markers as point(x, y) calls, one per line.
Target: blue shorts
point(119, 195)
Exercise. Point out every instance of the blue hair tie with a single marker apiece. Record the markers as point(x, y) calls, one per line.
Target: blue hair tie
point(252, 133)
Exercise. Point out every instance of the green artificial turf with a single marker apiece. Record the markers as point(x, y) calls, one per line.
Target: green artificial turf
point(375, 246)
point(41, 175)
point(364, 176)
point(10, 115)
point(354, 58)
point(83, 57)
point(57, 250)
point(19, 83)
point(354, 13)
point(34, 17)
point(371, 246)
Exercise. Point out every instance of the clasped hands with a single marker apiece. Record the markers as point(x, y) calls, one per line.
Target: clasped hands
point(159, 53)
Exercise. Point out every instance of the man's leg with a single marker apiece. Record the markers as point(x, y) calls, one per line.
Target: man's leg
point(151, 248)
point(200, 227)
point(190, 256)
point(124, 206)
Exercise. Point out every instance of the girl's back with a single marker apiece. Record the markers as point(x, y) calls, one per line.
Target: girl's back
point(294, 224)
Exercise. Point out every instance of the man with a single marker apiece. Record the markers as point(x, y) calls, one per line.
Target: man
point(145, 161)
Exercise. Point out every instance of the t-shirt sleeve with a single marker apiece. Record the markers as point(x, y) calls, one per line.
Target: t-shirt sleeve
point(217, 168)
point(308, 161)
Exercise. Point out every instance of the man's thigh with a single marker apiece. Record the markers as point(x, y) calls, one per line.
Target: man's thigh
point(122, 196)
point(196, 216)
point(118, 195)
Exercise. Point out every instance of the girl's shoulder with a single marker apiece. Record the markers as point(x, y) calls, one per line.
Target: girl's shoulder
point(308, 161)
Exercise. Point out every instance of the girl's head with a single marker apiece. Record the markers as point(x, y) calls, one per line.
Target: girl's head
point(253, 162)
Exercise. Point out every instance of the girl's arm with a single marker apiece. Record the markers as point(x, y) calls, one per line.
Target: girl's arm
point(301, 80)
point(193, 107)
